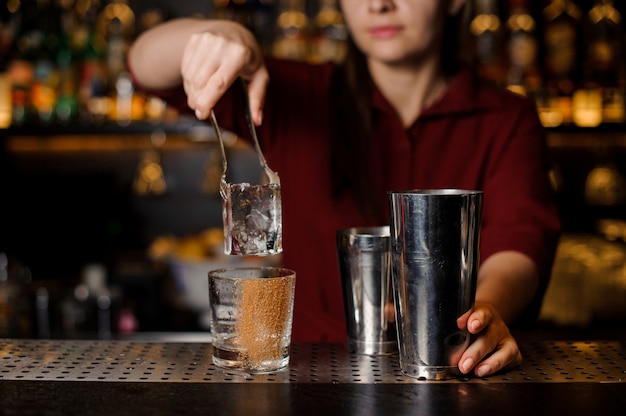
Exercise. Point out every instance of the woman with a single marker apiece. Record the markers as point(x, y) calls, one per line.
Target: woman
point(400, 114)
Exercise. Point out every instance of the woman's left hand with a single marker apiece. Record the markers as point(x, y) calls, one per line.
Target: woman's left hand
point(493, 348)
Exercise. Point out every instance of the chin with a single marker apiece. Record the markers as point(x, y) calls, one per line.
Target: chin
point(393, 55)
point(392, 60)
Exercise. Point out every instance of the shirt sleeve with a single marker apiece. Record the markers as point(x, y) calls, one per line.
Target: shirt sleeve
point(520, 211)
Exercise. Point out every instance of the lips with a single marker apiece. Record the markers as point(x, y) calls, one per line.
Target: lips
point(385, 32)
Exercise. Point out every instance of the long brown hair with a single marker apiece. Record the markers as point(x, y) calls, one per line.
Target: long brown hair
point(353, 118)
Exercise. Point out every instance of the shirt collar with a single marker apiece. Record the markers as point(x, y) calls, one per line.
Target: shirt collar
point(461, 96)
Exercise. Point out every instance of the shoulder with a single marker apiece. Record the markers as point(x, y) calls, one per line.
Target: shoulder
point(492, 98)
point(495, 108)
point(488, 114)
point(469, 95)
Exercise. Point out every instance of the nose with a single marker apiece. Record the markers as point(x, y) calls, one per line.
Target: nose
point(380, 6)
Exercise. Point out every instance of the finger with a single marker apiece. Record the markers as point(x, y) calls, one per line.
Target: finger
point(508, 355)
point(461, 321)
point(480, 318)
point(202, 100)
point(494, 350)
point(206, 79)
point(480, 347)
point(219, 81)
point(195, 73)
point(201, 113)
point(197, 66)
point(257, 88)
point(188, 53)
point(472, 356)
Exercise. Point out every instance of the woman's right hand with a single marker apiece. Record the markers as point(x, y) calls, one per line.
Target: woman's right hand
point(214, 58)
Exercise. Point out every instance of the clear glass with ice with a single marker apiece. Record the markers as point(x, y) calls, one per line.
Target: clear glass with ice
point(252, 219)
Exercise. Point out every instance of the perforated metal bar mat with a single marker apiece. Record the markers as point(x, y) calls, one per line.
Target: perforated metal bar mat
point(133, 361)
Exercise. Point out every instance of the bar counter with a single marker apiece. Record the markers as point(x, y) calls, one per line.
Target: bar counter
point(136, 377)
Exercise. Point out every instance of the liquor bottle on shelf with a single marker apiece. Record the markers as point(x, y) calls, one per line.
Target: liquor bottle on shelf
point(523, 73)
point(151, 17)
point(6, 111)
point(8, 25)
point(15, 306)
point(5, 298)
point(44, 90)
point(92, 79)
point(292, 24)
point(259, 16)
point(21, 74)
point(220, 9)
point(235, 10)
point(27, 52)
point(330, 33)
point(603, 72)
point(66, 108)
point(562, 20)
point(262, 20)
point(118, 21)
point(486, 28)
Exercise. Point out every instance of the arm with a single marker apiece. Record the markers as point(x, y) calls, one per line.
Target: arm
point(507, 281)
point(519, 239)
point(205, 57)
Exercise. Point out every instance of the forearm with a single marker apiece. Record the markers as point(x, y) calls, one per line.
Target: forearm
point(156, 55)
point(507, 280)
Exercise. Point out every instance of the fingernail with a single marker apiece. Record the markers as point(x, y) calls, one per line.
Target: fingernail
point(483, 370)
point(199, 115)
point(467, 365)
point(475, 326)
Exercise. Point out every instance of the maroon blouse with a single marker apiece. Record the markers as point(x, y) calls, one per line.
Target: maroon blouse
point(474, 137)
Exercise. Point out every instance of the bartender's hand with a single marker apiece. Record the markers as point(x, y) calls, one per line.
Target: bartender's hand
point(493, 348)
point(214, 58)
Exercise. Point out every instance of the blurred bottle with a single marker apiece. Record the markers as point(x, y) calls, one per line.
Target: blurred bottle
point(15, 301)
point(486, 28)
point(603, 72)
point(6, 111)
point(66, 108)
point(44, 91)
point(8, 29)
point(20, 74)
point(292, 36)
point(42, 306)
point(220, 9)
point(330, 34)
point(6, 293)
point(87, 309)
point(523, 73)
point(235, 10)
point(259, 16)
point(127, 322)
point(21, 65)
point(151, 17)
point(562, 19)
point(262, 22)
point(92, 80)
point(118, 21)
